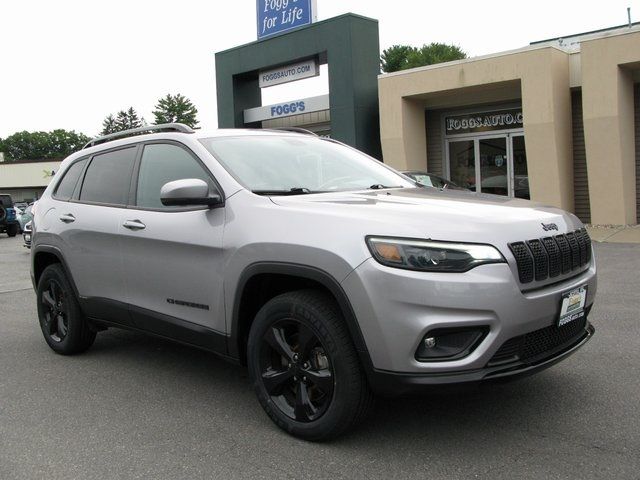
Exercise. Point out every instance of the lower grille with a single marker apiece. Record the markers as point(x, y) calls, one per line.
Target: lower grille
point(532, 346)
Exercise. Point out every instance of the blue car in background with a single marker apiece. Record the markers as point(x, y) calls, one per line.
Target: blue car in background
point(8, 222)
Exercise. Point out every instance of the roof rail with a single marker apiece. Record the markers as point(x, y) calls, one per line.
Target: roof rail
point(294, 129)
point(164, 127)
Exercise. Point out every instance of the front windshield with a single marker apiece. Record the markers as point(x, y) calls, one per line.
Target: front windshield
point(296, 164)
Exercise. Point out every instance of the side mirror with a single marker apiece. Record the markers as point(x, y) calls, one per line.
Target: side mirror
point(188, 192)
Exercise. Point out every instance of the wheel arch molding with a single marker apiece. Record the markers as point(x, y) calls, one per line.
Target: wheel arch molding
point(45, 255)
point(244, 310)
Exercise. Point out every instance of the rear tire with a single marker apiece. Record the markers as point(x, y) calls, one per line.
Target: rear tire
point(12, 230)
point(63, 324)
point(304, 367)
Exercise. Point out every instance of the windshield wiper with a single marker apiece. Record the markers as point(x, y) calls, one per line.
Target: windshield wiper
point(291, 191)
point(379, 186)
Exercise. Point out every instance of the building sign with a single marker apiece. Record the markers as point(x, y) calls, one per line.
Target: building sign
point(483, 122)
point(279, 16)
point(287, 109)
point(289, 73)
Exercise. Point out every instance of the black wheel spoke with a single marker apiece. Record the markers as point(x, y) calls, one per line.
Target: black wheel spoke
point(306, 340)
point(54, 292)
point(62, 328)
point(323, 379)
point(275, 337)
point(48, 299)
point(50, 324)
point(274, 381)
point(303, 409)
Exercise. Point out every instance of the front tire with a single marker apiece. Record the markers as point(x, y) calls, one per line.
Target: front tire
point(63, 324)
point(304, 367)
point(12, 230)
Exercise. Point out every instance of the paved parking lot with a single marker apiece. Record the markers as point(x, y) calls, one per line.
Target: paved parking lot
point(139, 407)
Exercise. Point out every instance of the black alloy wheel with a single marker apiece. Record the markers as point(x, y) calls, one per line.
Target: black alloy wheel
point(55, 310)
point(304, 367)
point(63, 325)
point(296, 370)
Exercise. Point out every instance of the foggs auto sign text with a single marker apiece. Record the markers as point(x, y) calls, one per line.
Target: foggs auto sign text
point(289, 73)
point(481, 122)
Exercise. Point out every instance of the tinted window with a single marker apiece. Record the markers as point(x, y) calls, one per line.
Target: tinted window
point(5, 201)
point(68, 183)
point(108, 177)
point(163, 163)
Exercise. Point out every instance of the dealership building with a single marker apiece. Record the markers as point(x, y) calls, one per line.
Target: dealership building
point(26, 181)
point(557, 121)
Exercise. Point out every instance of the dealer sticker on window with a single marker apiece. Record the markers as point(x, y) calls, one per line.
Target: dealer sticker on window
point(572, 305)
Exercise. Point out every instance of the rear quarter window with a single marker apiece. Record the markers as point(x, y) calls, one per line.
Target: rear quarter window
point(64, 190)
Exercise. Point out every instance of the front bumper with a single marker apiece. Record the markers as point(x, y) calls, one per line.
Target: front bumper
point(396, 308)
point(395, 384)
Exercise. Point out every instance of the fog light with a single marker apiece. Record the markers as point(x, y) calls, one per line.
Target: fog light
point(429, 342)
point(446, 344)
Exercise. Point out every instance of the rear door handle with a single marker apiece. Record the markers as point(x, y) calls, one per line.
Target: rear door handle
point(67, 218)
point(134, 225)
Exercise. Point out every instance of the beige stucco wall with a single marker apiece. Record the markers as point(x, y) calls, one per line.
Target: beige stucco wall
point(608, 66)
point(543, 76)
point(32, 174)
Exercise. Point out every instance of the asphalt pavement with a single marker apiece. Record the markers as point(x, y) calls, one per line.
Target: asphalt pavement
point(138, 407)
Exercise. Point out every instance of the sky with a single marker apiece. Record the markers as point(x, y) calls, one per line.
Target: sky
point(68, 64)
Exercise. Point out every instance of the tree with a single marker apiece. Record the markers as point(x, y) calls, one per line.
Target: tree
point(123, 120)
point(108, 125)
point(402, 57)
point(128, 119)
point(175, 109)
point(56, 144)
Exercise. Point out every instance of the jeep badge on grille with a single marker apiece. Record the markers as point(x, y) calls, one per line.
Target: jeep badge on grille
point(549, 226)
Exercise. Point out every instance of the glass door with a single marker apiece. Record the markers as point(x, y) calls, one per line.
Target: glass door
point(493, 169)
point(520, 179)
point(495, 164)
point(462, 163)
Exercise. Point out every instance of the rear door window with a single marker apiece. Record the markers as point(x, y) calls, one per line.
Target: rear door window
point(108, 177)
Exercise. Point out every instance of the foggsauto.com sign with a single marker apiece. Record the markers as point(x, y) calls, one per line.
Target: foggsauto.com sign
point(289, 73)
point(483, 122)
point(279, 16)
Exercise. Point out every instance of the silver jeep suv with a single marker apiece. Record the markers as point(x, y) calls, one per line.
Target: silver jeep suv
point(330, 275)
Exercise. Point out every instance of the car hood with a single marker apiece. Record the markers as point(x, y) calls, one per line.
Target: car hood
point(437, 214)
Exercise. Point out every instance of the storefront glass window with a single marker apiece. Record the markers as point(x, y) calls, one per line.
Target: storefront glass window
point(463, 163)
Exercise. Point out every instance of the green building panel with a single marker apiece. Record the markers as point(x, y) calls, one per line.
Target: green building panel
point(349, 44)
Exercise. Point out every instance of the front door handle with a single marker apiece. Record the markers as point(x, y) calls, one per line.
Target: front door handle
point(67, 218)
point(134, 225)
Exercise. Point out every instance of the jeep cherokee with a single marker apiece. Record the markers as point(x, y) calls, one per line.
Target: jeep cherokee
point(330, 275)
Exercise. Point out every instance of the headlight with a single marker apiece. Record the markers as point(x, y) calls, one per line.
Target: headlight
point(431, 256)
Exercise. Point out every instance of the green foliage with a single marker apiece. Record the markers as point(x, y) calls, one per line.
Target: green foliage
point(402, 57)
point(124, 120)
point(53, 145)
point(108, 125)
point(175, 109)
